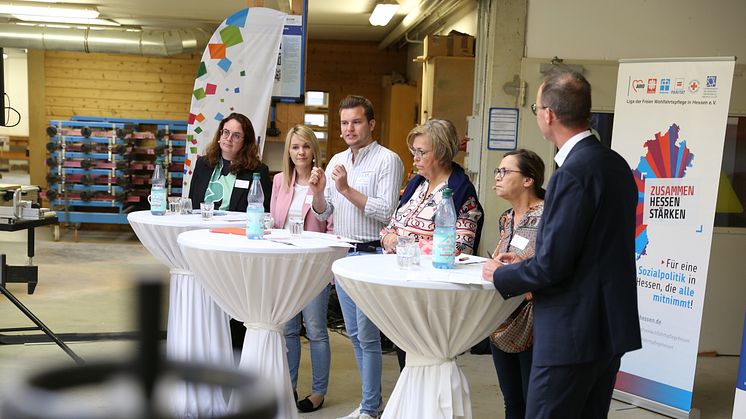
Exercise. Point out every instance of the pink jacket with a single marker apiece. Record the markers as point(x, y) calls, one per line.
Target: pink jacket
point(280, 205)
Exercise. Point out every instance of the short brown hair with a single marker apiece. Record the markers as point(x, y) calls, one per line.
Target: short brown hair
point(353, 101)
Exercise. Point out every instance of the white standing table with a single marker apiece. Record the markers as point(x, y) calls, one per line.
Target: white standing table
point(198, 329)
point(264, 284)
point(432, 321)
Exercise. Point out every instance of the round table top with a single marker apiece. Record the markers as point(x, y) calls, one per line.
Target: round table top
point(383, 269)
point(278, 241)
point(228, 218)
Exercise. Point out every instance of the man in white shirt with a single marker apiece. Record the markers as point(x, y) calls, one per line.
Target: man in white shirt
point(361, 187)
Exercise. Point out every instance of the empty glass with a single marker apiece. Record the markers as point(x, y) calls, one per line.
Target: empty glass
point(269, 221)
point(174, 204)
point(296, 226)
point(186, 206)
point(206, 210)
point(406, 249)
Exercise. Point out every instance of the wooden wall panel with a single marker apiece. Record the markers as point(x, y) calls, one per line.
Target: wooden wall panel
point(349, 67)
point(116, 85)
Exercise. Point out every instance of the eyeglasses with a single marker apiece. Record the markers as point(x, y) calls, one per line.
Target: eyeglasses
point(419, 153)
point(535, 108)
point(235, 136)
point(500, 172)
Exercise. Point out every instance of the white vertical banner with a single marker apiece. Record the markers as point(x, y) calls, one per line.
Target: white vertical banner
point(739, 402)
point(669, 124)
point(236, 74)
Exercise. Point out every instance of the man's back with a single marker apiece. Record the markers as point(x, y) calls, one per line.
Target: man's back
point(587, 245)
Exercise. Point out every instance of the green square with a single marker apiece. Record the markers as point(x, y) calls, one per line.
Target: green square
point(200, 93)
point(231, 35)
point(198, 130)
point(202, 70)
point(243, 73)
point(222, 100)
point(192, 150)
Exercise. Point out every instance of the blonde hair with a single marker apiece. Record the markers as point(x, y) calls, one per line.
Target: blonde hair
point(306, 134)
point(443, 135)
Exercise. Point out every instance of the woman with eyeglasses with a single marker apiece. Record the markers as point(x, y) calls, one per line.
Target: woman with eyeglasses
point(223, 176)
point(291, 198)
point(518, 180)
point(433, 146)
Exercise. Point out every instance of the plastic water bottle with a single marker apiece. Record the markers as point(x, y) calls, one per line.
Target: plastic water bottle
point(444, 237)
point(157, 198)
point(255, 210)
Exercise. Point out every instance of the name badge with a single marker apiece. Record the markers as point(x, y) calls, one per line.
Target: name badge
point(242, 184)
point(309, 199)
point(519, 242)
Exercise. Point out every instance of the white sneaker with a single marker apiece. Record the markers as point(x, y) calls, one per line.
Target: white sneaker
point(355, 414)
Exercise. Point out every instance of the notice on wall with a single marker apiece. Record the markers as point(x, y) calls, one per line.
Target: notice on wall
point(669, 123)
point(503, 129)
point(289, 72)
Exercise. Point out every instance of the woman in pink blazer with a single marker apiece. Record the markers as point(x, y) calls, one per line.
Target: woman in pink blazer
point(290, 199)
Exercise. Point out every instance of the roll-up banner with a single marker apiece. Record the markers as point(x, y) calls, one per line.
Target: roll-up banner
point(739, 403)
point(236, 74)
point(669, 124)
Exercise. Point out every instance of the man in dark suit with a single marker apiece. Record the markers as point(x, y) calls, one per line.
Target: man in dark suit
point(583, 276)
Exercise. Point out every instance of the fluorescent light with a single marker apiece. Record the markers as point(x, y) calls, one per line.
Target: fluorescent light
point(382, 14)
point(48, 9)
point(72, 20)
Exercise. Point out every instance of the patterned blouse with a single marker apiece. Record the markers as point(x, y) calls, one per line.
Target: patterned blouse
point(527, 228)
point(416, 217)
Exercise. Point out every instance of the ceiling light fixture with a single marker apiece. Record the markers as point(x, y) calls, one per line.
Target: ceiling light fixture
point(383, 13)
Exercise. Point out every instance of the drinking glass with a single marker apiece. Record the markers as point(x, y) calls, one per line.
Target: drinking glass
point(405, 247)
point(206, 210)
point(269, 221)
point(186, 206)
point(296, 226)
point(174, 205)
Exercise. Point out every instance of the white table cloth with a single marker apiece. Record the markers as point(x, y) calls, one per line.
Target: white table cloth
point(198, 329)
point(432, 321)
point(264, 284)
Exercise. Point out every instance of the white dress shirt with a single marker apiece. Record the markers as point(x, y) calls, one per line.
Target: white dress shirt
point(376, 173)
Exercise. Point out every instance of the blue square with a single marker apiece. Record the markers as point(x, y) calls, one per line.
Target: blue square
point(225, 64)
point(712, 81)
point(219, 116)
point(237, 90)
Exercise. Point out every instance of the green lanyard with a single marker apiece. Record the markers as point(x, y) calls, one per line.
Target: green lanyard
point(220, 187)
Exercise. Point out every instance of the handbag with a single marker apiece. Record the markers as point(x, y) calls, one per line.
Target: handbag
point(516, 334)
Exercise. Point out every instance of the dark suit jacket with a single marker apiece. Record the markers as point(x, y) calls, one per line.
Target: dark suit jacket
point(201, 178)
point(583, 274)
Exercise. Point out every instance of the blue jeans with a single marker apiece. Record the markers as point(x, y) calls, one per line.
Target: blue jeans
point(366, 343)
point(314, 315)
point(513, 372)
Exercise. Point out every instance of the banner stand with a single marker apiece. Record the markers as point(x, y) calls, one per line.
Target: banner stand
point(654, 406)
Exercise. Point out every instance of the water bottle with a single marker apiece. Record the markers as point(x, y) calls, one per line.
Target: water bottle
point(255, 210)
point(444, 237)
point(157, 198)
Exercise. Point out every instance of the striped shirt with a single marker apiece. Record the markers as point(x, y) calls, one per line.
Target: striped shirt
point(376, 173)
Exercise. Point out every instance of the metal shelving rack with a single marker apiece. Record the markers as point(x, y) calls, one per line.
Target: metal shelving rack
point(100, 168)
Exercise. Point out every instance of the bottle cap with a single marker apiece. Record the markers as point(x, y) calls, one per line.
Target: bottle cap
point(256, 175)
point(447, 193)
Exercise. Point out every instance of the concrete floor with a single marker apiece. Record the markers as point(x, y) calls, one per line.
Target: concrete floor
point(87, 286)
